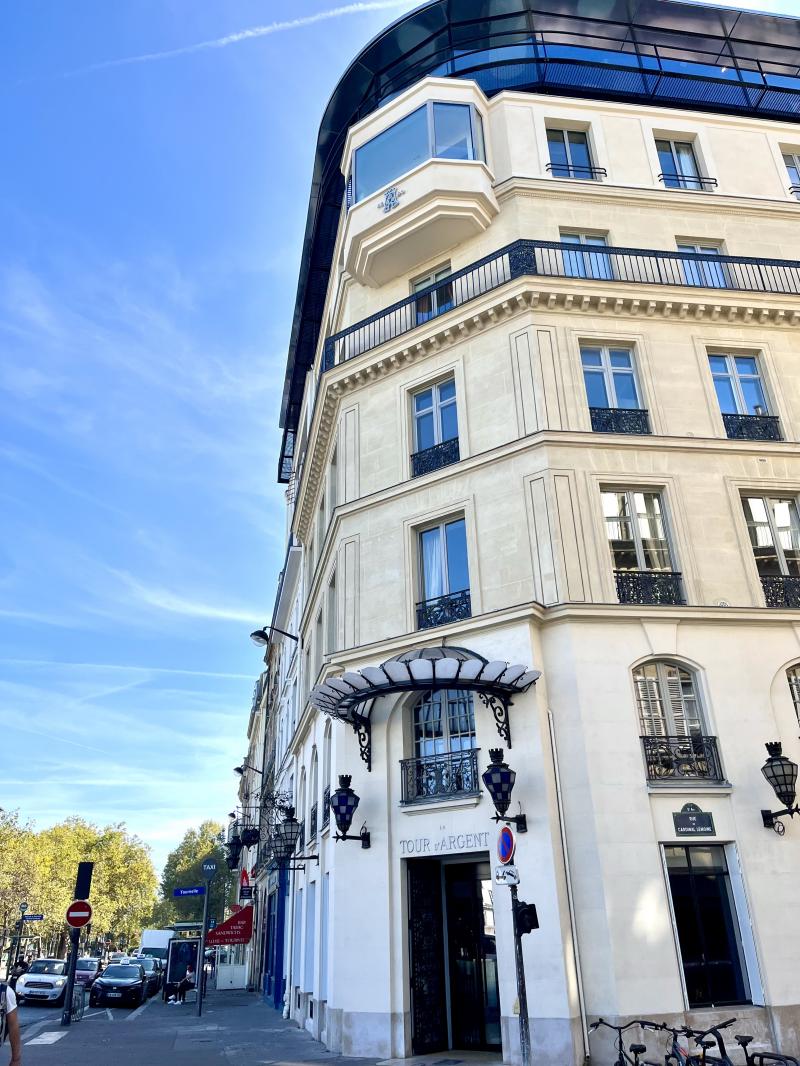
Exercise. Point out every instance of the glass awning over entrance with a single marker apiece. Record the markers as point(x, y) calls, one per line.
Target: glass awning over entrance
point(351, 697)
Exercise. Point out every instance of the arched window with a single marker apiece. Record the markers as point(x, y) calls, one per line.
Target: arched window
point(326, 774)
point(793, 677)
point(444, 759)
point(301, 807)
point(667, 700)
point(313, 798)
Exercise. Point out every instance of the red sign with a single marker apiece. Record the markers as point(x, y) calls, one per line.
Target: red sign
point(79, 913)
point(244, 880)
point(238, 929)
point(506, 845)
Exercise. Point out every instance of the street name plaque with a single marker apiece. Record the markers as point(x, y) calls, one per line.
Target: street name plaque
point(691, 821)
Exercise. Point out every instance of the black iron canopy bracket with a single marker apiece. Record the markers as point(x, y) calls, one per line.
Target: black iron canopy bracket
point(362, 727)
point(498, 704)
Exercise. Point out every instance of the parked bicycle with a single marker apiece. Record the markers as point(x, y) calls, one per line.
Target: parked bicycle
point(636, 1050)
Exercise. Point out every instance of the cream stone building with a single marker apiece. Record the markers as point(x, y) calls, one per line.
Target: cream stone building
point(540, 425)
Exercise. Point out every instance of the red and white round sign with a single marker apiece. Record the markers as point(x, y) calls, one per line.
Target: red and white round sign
point(79, 913)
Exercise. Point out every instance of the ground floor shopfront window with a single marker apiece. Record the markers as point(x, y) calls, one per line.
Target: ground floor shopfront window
point(708, 924)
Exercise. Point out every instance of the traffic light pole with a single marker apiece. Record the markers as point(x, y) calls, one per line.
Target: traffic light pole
point(522, 994)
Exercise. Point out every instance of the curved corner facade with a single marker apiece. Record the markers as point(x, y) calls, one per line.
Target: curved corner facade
point(548, 440)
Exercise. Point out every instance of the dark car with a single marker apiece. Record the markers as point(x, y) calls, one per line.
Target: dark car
point(152, 971)
point(118, 985)
point(87, 971)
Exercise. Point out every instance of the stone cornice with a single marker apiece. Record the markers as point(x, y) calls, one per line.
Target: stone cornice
point(567, 295)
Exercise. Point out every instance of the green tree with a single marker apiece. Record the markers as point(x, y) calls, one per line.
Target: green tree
point(183, 869)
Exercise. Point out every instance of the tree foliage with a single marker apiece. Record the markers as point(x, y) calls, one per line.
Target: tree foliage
point(183, 869)
point(39, 868)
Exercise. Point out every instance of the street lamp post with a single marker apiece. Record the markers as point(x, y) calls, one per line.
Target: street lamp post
point(781, 774)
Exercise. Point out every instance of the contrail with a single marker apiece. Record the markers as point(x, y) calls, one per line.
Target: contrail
point(246, 35)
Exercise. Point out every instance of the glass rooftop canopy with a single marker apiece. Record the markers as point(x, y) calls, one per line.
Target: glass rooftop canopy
point(647, 51)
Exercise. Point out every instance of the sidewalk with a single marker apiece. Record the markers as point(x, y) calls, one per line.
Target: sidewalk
point(236, 1027)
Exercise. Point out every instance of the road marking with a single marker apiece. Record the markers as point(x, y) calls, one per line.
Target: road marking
point(110, 1015)
point(93, 1014)
point(45, 1038)
point(30, 1031)
point(139, 1010)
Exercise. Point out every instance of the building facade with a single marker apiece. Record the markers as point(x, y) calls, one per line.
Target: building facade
point(540, 436)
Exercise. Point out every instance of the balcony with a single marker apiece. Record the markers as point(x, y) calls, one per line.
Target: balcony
point(752, 427)
point(661, 588)
point(687, 181)
point(439, 777)
point(795, 191)
point(619, 420)
point(565, 170)
point(430, 459)
point(671, 759)
point(553, 259)
point(312, 822)
point(453, 607)
point(326, 806)
point(781, 590)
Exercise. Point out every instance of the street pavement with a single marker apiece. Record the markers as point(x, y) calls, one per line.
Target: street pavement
point(236, 1027)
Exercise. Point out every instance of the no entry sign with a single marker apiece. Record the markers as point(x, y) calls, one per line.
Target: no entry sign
point(79, 913)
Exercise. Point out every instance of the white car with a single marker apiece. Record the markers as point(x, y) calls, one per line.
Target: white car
point(45, 981)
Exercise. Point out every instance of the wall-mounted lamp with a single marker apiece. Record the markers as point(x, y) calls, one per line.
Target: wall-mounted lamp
point(284, 841)
point(781, 773)
point(343, 803)
point(499, 780)
point(244, 766)
point(262, 636)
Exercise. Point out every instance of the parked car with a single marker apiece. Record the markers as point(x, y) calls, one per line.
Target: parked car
point(87, 971)
point(45, 982)
point(152, 971)
point(119, 985)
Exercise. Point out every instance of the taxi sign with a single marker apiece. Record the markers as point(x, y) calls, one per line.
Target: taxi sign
point(506, 845)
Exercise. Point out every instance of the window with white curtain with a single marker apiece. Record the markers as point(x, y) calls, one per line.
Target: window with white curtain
point(443, 559)
point(679, 169)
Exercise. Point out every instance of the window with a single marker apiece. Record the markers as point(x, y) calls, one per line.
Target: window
point(444, 574)
point(667, 701)
point(435, 427)
point(438, 300)
point(586, 261)
point(570, 156)
point(318, 644)
point(679, 169)
point(320, 536)
point(793, 677)
point(445, 756)
point(333, 482)
point(435, 130)
point(326, 775)
point(792, 161)
point(313, 796)
point(774, 529)
point(332, 614)
point(743, 398)
point(610, 378)
point(709, 935)
point(704, 272)
point(636, 528)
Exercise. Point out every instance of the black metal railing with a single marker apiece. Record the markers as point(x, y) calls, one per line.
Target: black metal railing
point(439, 776)
point(682, 758)
point(687, 181)
point(781, 590)
point(312, 822)
point(631, 266)
point(795, 190)
point(443, 609)
point(752, 427)
point(430, 459)
point(655, 587)
point(567, 170)
point(619, 420)
point(326, 806)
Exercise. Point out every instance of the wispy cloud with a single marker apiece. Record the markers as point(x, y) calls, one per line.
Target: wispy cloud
point(173, 603)
point(247, 35)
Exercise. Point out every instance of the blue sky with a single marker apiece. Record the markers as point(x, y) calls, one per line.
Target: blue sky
point(152, 209)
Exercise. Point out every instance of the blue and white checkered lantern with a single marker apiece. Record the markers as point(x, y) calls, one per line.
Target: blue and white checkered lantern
point(499, 781)
point(343, 804)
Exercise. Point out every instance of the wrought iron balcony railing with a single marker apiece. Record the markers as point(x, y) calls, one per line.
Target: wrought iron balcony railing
point(567, 170)
point(312, 822)
point(687, 181)
point(631, 266)
point(443, 609)
point(619, 420)
point(440, 776)
point(326, 806)
point(781, 590)
point(430, 459)
point(752, 427)
point(795, 190)
point(682, 758)
point(655, 587)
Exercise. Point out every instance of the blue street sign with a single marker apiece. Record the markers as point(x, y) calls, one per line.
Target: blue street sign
point(198, 890)
point(212, 923)
point(33, 917)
